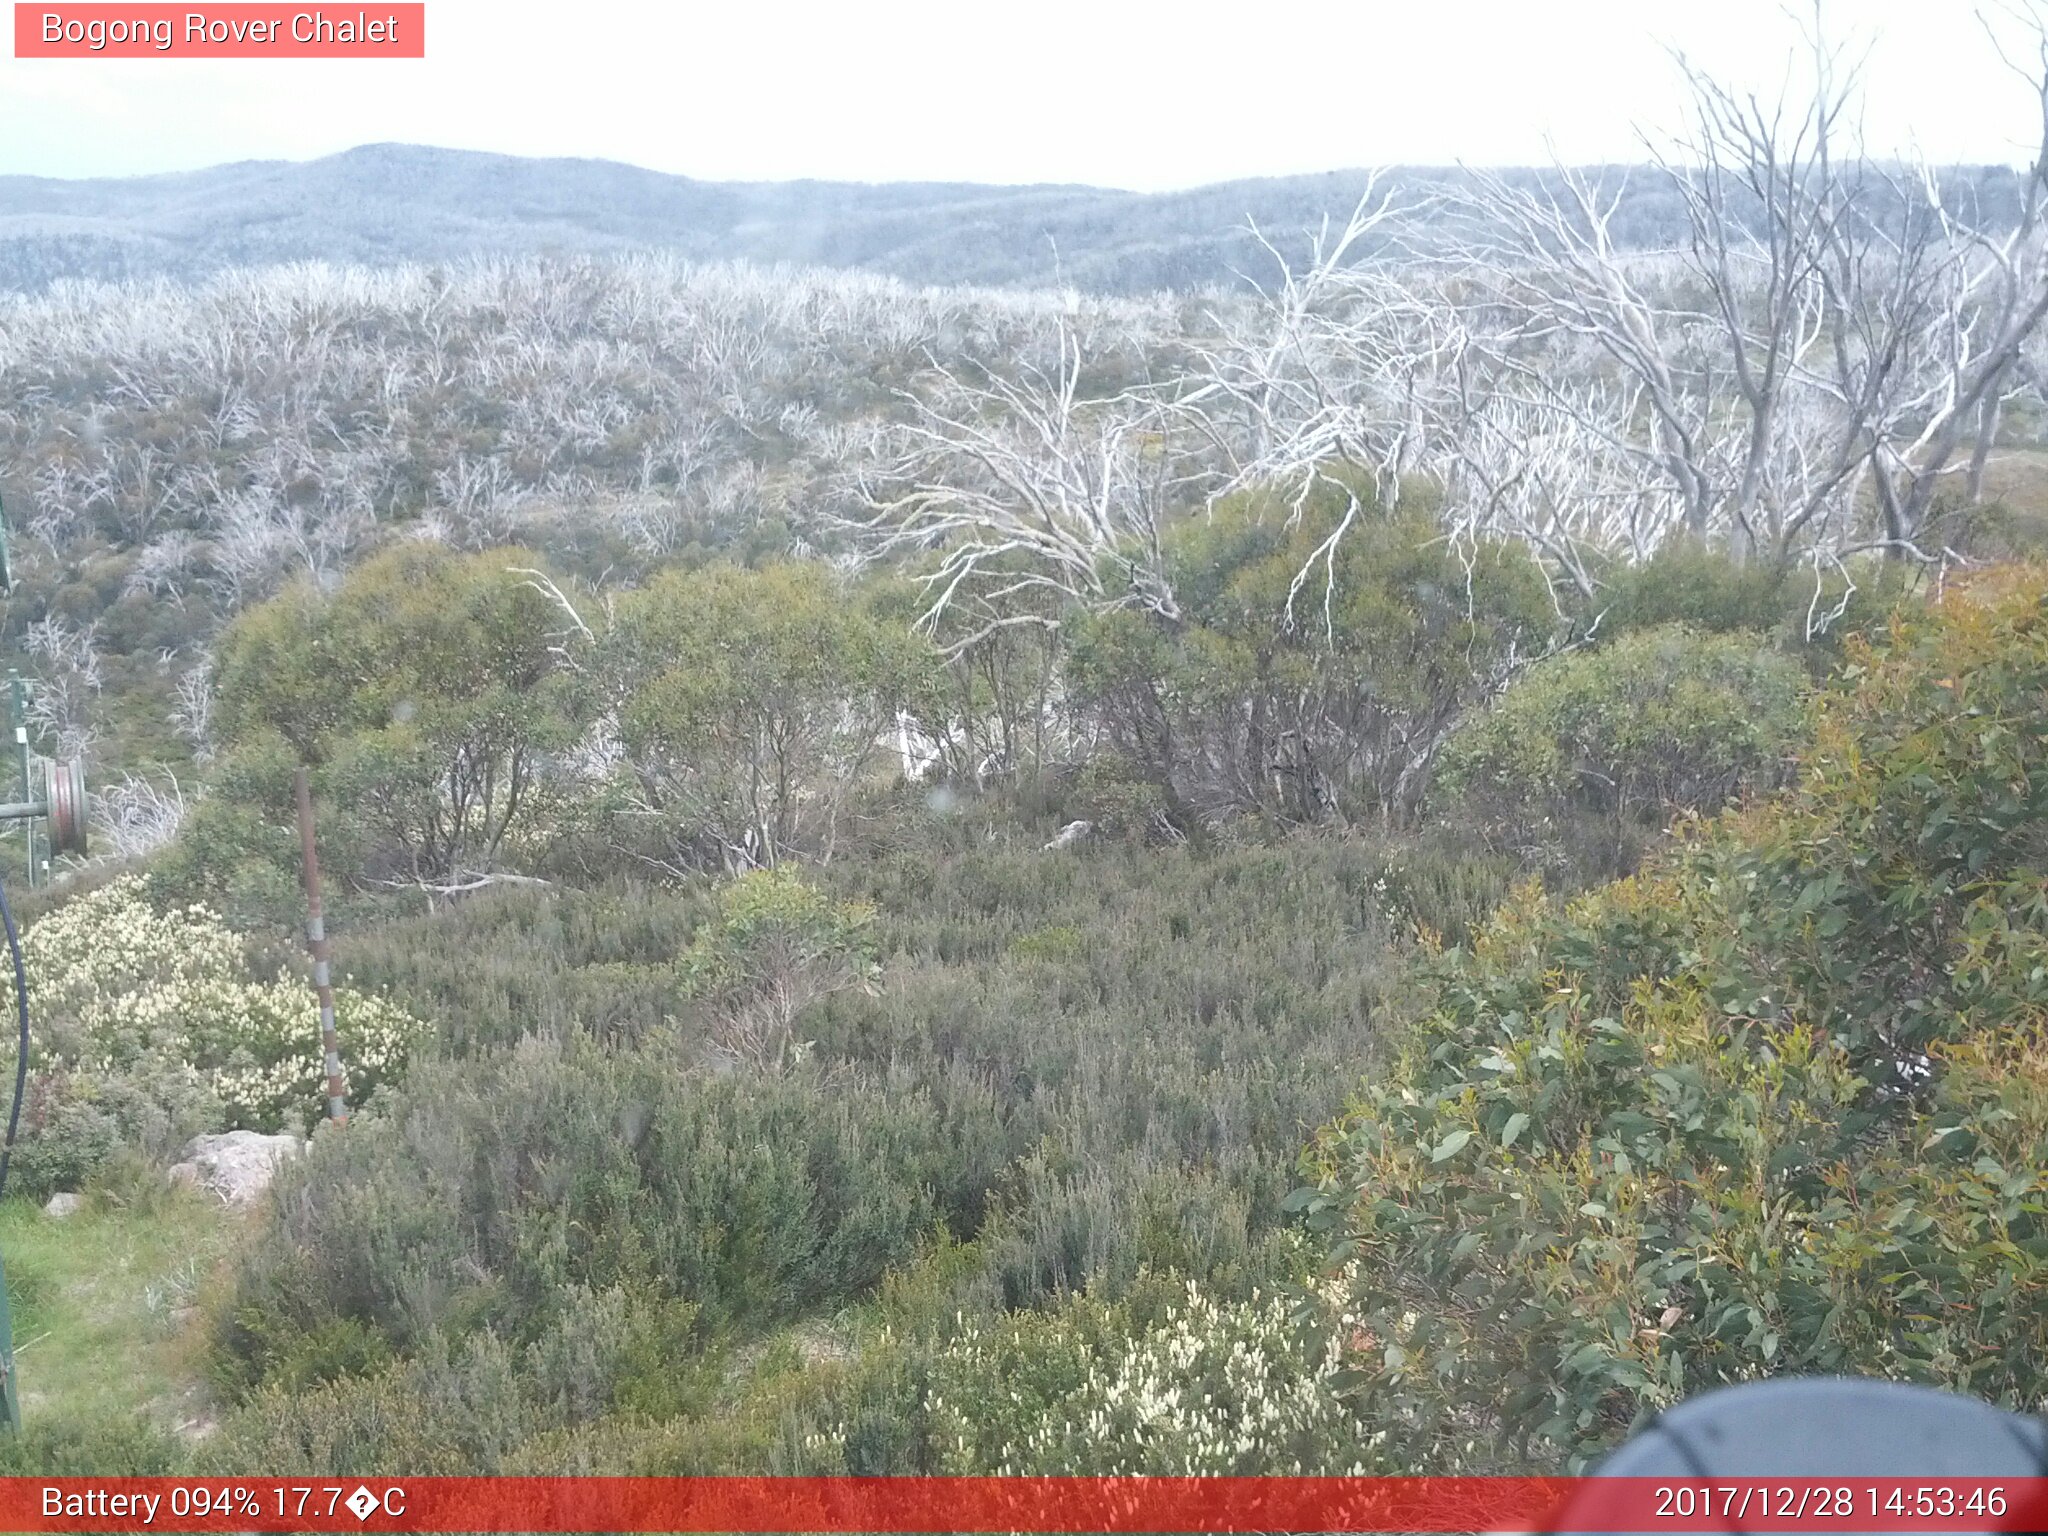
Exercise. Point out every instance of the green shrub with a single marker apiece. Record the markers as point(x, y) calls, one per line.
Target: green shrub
point(1778, 1104)
point(1707, 588)
point(1658, 722)
point(1056, 942)
point(1445, 882)
point(66, 1138)
point(512, 961)
point(1308, 680)
point(128, 1446)
point(325, 1349)
point(486, 1193)
point(1065, 1224)
point(1120, 798)
point(426, 687)
point(753, 705)
point(458, 1410)
point(237, 850)
point(1083, 1112)
point(775, 946)
point(1701, 586)
point(616, 1387)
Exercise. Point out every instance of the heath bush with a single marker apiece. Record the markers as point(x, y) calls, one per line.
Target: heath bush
point(138, 1004)
point(1173, 1382)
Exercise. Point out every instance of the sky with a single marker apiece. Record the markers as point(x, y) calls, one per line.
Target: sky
point(1125, 93)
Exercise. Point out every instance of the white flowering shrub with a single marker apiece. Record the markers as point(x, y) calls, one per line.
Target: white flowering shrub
point(122, 989)
point(1210, 1388)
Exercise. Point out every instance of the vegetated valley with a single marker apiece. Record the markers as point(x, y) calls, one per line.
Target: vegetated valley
point(1389, 871)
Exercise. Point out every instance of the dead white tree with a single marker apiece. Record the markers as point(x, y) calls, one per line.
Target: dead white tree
point(1832, 337)
point(1016, 489)
point(1334, 360)
point(192, 707)
point(137, 816)
point(1347, 360)
point(63, 703)
point(1552, 478)
point(1988, 299)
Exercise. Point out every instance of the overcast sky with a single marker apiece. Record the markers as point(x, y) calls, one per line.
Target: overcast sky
point(1127, 93)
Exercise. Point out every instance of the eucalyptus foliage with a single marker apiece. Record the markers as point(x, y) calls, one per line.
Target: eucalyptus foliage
point(1779, 1103)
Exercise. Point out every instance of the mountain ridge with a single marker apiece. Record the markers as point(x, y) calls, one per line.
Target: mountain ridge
point(381, 203)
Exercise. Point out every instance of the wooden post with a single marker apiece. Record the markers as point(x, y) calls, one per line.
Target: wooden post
point(316, 942)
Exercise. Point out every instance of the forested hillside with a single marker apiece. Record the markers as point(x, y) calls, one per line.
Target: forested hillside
point(1387, 869)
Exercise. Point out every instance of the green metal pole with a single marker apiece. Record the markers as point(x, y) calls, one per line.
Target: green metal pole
point(10, 1402)
point(17, 708)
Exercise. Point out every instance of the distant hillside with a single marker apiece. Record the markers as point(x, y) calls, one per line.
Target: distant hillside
point(387, 202)
point(391, 202)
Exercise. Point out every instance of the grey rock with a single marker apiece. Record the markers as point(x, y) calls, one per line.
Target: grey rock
point(62, 1205)
point(1073, 832)
point(236, 1165)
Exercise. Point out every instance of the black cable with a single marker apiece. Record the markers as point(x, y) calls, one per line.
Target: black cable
point(21, 1056)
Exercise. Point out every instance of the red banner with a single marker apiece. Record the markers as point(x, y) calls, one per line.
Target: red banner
point(1024, 1504)
point(225, 31)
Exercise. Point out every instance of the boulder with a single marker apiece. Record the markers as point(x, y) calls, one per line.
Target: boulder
point(1073, 832)
point(237, 1165)
point(62, 1205)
